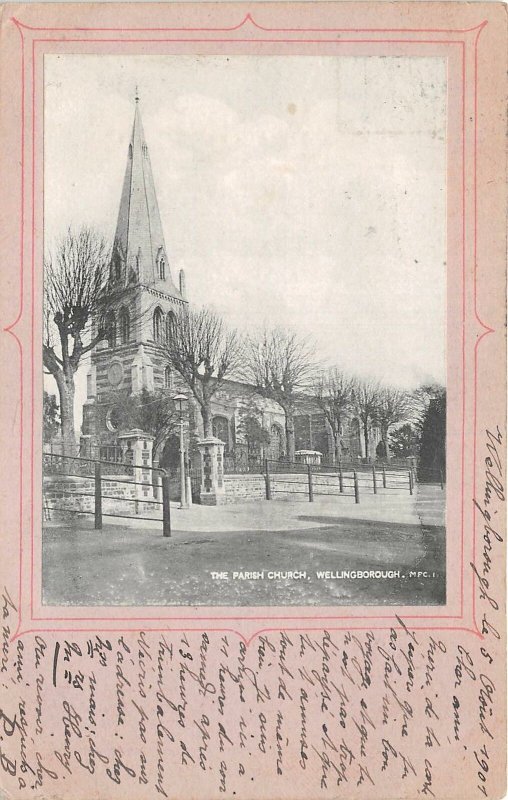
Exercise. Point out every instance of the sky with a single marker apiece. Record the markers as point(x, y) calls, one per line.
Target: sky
point(305, 192)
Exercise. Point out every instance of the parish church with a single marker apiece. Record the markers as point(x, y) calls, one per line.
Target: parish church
point(132, 358)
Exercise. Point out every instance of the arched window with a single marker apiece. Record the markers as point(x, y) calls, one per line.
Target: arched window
point(158, 323)
point(110, 327)
point(170, 321)
point(276, 446)
point(168, 378)
point(125, 325)
point(355, 441)
point(162, 268)
point(220, 429)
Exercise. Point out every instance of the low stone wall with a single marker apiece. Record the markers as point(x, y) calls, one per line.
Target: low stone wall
point(241, 488)
point(65, 496)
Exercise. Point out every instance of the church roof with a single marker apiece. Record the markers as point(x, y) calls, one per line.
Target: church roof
point(139, 239)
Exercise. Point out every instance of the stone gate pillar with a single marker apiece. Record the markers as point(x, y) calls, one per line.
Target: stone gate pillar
point(212, 492)
point(137, 450)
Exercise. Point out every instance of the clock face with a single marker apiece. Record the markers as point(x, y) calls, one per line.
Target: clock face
point(115, 374)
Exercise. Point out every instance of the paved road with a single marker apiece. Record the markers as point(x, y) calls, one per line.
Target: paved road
point(128, 566)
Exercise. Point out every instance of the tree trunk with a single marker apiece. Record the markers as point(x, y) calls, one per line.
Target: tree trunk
point(337, 453)
point(290, 435)
point(156, 454)
point(207, 422)
point(385, 439)
point(366, 438)
point(65, 385)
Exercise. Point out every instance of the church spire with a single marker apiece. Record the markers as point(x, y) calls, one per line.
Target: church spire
point(139, 252)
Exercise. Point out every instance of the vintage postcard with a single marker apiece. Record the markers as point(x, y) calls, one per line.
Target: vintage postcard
point(254, 400)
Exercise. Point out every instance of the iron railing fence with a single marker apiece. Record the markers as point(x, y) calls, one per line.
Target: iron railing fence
point(63, 467)
point(340, 480)
point(344, 466)
point(242, 464)
point(281, 477)
point(393, 461)
point(195, 474)
point(84, 466)
point(107, 452)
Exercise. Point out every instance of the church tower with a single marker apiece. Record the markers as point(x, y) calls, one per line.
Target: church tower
point(132, 356)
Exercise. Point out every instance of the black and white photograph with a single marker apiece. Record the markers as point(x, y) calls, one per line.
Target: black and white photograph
point(244, 342)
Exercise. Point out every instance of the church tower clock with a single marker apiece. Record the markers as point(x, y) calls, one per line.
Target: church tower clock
point(131, 358)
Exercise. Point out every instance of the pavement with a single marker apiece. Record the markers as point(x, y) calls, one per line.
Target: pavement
point(431, 504)
point(131, 563)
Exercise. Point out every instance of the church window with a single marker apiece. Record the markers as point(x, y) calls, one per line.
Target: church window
point(220, 429)
point(168, 378)
point(158, 322)
point(124, 320)
point(130, 151)
point(110, 327)
point(162, 268)
point(170, 321)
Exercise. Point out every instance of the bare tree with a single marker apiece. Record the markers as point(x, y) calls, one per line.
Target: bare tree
point(393, 407)
point(366, 402)
point(281, 366)
point(205, 353)
point(75, 291)
point(333, 393)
